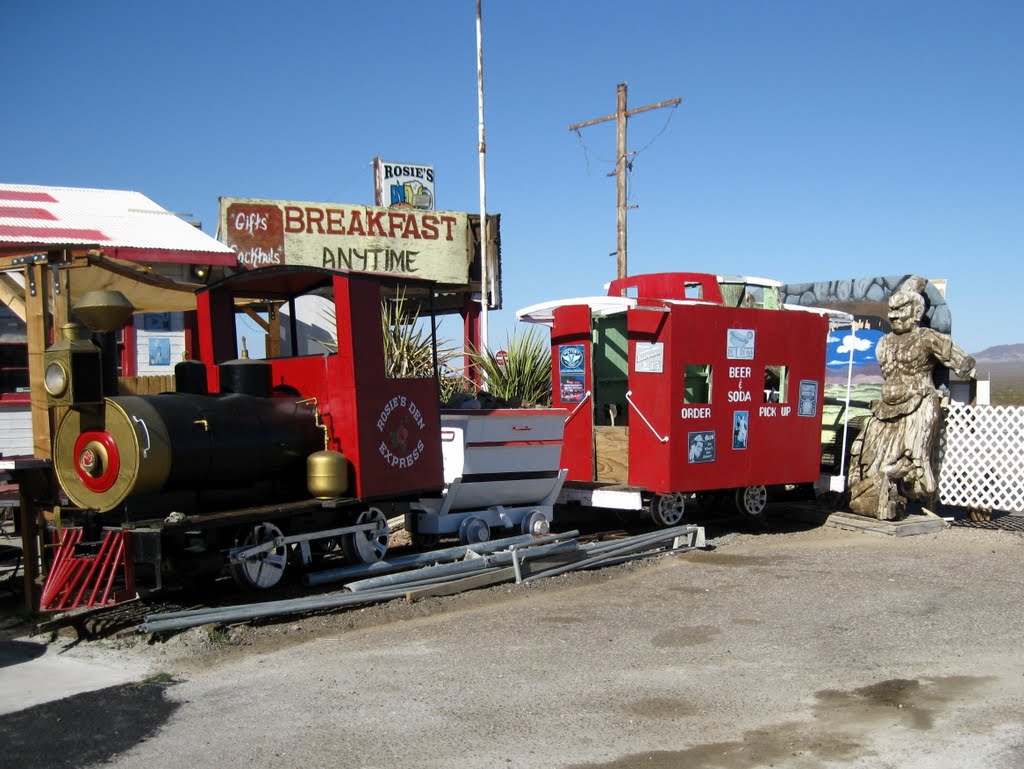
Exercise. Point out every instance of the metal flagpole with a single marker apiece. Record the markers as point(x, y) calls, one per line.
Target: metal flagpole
point(482, 147)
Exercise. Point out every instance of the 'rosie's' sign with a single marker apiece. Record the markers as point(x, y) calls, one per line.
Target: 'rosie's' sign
point(424, 244)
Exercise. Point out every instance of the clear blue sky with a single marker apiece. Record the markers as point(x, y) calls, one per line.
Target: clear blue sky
point(817, 139)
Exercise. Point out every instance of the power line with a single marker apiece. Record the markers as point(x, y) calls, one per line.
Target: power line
point(623, 166)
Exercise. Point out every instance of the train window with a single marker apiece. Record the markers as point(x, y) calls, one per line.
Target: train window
point(693, 291)
point(776, 384)
point(408, 339)
point(697, 383)
point(315, 325)
point(304, 325)
point(755, 295)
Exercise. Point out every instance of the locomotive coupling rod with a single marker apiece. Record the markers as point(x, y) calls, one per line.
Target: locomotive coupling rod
point(236, 554)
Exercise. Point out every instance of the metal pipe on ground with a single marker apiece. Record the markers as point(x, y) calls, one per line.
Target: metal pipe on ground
point(599, 554)
point(190, 617)
point(462, 567)
point(655, 536)
point(609, 552)
point(157, 623)
point(340, 574)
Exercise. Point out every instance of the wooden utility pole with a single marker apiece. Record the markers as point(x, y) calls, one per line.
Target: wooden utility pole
point(620, 117)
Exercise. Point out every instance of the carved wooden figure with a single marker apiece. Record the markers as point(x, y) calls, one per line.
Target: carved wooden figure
point(893, 459)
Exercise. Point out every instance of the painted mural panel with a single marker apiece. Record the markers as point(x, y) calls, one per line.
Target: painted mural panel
point(867, 300)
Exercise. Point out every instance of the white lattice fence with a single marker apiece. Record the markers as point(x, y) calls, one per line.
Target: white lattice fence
point(982, 464)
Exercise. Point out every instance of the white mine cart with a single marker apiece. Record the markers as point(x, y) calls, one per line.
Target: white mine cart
point(501, 470)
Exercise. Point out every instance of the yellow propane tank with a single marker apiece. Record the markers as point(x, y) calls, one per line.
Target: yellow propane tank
point(327, 474)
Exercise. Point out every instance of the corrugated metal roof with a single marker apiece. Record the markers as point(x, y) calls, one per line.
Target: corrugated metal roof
point(70, 216)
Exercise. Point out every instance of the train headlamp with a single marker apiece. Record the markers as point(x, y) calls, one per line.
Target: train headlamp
point(55, 379)
point(72, 370)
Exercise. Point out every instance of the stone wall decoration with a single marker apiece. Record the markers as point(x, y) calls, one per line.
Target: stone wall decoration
point(867, 300)
point(893, 459)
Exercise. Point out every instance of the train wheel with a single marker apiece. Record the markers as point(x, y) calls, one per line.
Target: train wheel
point(668, 509)
point(535, 523)
point(265, 570)
point(474, 530)
point(367, 546)
point(752, 502)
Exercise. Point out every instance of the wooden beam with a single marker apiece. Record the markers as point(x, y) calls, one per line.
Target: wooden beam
point(37, 330)
point(256, 318)
point(15, 260)
point(59, 287)
point(13, 295)
point(36, 485)
point(485, 579)
point(274, 331)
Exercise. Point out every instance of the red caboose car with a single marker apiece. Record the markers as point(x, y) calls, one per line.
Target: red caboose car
point(685, 382)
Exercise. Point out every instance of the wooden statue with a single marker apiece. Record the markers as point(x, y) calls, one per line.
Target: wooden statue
point(893, 459)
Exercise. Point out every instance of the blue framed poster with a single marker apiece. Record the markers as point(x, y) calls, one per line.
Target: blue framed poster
point(808, 405)
point(739, 344)
point(159, 351)
point(740, 427)
point(700, 446)
point(572, 385)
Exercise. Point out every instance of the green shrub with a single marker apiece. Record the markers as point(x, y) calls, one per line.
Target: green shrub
point(525, 379)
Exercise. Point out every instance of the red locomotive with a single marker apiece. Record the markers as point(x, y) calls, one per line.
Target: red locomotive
point(248, 458)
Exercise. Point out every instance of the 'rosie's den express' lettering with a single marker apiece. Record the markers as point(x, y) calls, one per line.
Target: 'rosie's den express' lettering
point(410, 225)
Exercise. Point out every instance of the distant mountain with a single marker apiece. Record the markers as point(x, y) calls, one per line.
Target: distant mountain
point(1003, 365)
point(1001, 353)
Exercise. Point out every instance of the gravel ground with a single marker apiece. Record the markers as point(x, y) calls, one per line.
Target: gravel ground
point(801, 649)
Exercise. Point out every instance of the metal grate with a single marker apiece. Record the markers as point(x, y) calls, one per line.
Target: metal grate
point(982, 458)
point(997, 523)
point(100, 576)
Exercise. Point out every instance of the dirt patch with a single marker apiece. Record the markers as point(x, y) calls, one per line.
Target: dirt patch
point(716, 558)
point(661, 707)
point(795, 744)
point(830, 736)
point(679, 637)
point(912, 703)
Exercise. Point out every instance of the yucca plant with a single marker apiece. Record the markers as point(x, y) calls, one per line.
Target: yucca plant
point(525, 379)
point(408, 352)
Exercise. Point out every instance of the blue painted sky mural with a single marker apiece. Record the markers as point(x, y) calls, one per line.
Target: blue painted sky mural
point(842, 341)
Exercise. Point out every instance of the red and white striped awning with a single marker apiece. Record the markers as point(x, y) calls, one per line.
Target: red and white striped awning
point(124, 225)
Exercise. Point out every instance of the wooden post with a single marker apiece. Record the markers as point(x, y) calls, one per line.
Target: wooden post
point(621, 165)
point(30, 550)
point(620, 183)
point(37, 330)
point(59, 288)
point(35, 482)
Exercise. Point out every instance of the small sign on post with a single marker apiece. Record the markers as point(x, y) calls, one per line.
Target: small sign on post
point(401, 185)
point(501, 358)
